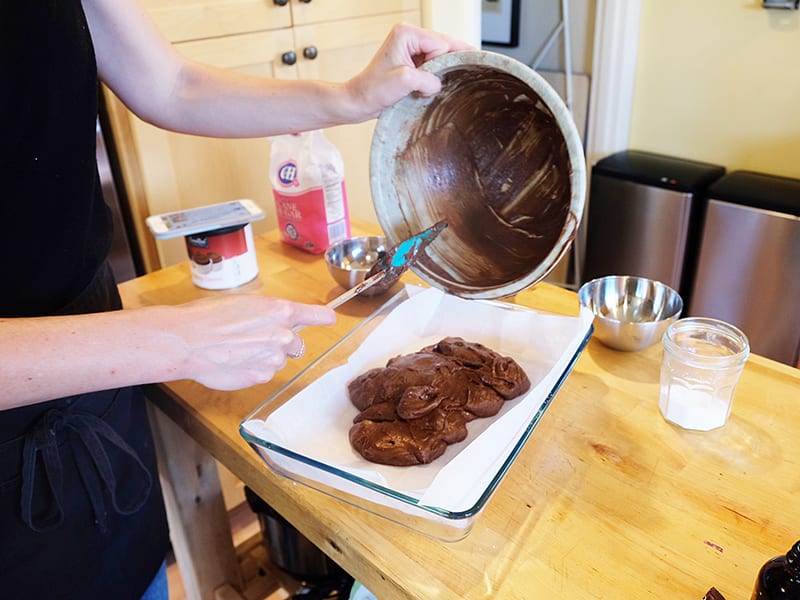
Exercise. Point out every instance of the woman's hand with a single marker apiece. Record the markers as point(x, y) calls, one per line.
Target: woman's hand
point(393, 74)
point(239, 340)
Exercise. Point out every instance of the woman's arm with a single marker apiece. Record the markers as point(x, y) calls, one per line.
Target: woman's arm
point(227, 342)
point(231, 341)
point(170, 91)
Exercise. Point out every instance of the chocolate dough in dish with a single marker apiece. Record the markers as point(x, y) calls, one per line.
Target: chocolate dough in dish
point(411, 409)
point(488, 157)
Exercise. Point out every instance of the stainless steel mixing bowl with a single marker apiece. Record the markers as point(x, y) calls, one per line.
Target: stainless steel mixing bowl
point(631, 313)
point(350, 260)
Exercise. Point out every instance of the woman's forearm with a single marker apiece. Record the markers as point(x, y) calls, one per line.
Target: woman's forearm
point(50, 357)
point(247, 106)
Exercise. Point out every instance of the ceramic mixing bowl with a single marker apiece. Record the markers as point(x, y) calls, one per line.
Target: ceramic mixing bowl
point(497, 155)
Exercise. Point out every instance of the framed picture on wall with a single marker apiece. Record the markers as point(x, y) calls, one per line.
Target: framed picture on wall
point(500, 22)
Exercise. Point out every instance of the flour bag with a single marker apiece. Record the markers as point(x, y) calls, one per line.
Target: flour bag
point(307, 177)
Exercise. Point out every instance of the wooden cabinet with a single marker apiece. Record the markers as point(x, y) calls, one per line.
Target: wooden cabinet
point(165, 171)
point(183, 20)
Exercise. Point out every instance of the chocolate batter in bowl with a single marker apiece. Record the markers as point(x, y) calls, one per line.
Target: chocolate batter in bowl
point(496, 154)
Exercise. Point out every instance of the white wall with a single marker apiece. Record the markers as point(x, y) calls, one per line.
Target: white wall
point(458, 18)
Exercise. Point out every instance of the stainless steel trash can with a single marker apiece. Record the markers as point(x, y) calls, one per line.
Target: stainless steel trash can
point(287, 547)
point(748, 269)
point(644, 216)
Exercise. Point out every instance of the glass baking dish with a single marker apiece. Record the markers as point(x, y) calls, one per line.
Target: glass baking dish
point(300, 432)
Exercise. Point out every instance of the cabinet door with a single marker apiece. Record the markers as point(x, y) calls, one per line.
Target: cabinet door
point(342, 49)
point(316, 11)
point(182, 20)
point(177, 171)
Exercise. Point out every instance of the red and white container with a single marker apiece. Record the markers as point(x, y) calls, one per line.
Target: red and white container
point(222, 258)
point(219, 241)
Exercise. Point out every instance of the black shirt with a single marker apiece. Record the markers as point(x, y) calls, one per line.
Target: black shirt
point(54, 225)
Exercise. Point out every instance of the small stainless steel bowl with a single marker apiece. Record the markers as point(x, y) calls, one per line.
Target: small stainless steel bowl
point(630, 313)
point(349, 261)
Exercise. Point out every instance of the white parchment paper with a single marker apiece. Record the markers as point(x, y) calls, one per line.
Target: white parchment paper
point(315, 422)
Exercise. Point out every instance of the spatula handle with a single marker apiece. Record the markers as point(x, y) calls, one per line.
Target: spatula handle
point(356, 290)
point(351, 293)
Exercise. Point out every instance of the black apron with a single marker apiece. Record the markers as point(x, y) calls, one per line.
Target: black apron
point(81, 513)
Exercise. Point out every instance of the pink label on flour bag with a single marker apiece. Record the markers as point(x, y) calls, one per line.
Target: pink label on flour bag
point(307, 177)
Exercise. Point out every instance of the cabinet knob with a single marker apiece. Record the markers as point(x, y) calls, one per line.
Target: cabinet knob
point(306, 1)
point(310, 52)
point(281, 2)
point(289, 58)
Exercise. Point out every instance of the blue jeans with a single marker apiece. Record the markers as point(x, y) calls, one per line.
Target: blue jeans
point(158, 589)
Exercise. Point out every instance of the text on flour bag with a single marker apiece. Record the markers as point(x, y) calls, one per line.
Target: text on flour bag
point(307, 177)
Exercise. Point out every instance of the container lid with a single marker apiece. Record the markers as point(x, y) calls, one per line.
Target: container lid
point(658, 170)
point(204, 219)
point(759, 190)
point(497, 155)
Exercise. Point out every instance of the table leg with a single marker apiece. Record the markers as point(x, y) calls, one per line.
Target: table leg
point(198, 521)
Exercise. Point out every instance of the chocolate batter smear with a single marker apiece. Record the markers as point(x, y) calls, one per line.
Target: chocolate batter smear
point(488, 157)
point(417, 404)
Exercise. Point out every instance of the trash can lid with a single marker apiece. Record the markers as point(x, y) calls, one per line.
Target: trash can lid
point(758, 190)
point(259, 506)
point(658, 170)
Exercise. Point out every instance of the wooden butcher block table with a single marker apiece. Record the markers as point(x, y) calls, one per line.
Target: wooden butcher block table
point(606, 499)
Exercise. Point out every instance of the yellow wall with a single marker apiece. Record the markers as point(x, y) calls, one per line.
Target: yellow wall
point(719, 81)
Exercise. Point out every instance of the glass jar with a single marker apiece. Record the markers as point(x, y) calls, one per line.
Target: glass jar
point(703, 360)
